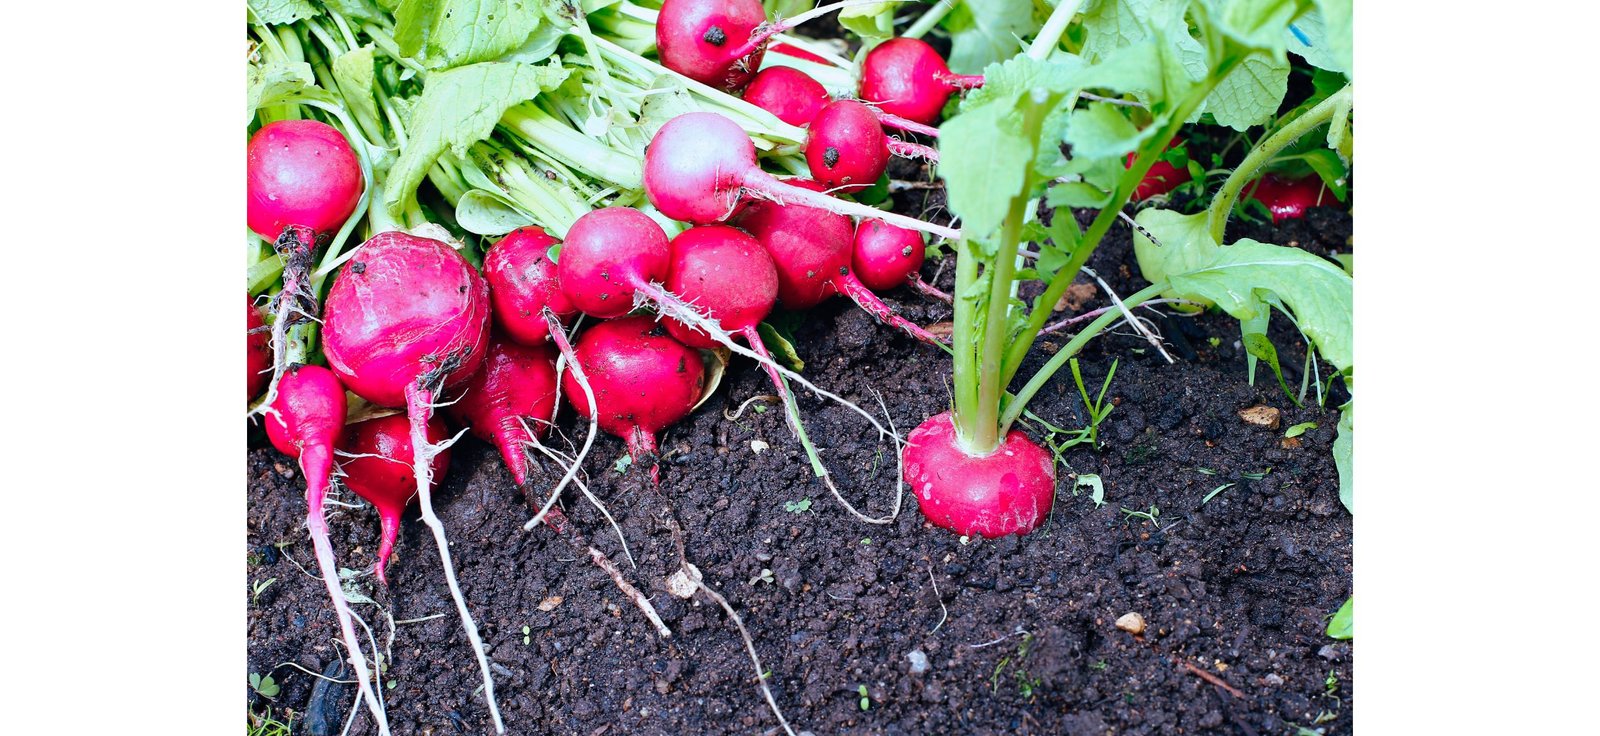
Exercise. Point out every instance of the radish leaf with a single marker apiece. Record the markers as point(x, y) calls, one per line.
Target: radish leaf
point(449, 33)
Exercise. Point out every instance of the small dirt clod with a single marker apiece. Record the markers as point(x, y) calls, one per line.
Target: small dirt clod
point(1132, 623)
point(1262, 415)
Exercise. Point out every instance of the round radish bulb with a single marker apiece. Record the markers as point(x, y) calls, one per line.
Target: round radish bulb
point(381, 472)
point(1161, 178)
point(515, 387)
point(710, 41)
point(846, 147)
point(727, 274)
point(403, 308)
point(886, 256)
point(1286, 198)
point(1008, 491)
point(258, 349)
point(522, 282)
point(609, 253)
point(308, 412)
point(643, 380)
point(789, 93)
point(908, 78)
point(300, 172)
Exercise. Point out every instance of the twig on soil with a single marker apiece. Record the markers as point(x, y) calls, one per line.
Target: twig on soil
point(685, 583)
point(419, 620)
point(1128, 315)
point(645, 607)
point(1016, 632)
point(1213, 679)
point(944, 613)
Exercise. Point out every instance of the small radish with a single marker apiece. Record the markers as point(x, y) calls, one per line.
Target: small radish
point(609, 254)
point(1008, 491)
point(886, 256)
point(700, 165)
point(715, 42)
point(643, 380)
point(1161, 178)
point(1287, 198)
point(908, 78)
point(258, 350)
point(727, 275)
point(787, 92)
point(812, 250)
point(846, 147)
point(513, 393)
point(307, 424)
point(381, 472)
point(522, 282)
point(300, 172)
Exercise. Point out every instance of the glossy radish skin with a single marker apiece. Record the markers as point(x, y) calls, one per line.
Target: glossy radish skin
point(643, 380)
point(516, 386)
point(381, 472)
point(706, 40)
point(846, 147)
point(1288, 199)
point(727, 275)
point(308, 412)
point(1009, 491)
point(789, 93)
point(300, 172)
point(404, 307)
point(809, 247)
point(522, 282)
point(908, 78)
point(258, 350)
point(609, 253)
point(885, 256)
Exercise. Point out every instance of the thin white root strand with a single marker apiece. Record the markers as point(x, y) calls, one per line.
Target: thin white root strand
point(604, 563)
point(684, 584)
point(563, 461)
point(341, 607)
point(1141, 327)
point(570, 362)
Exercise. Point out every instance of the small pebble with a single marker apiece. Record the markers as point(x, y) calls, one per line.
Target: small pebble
point(1132, 623)
point(1328, 652)
point(919, 661)
point(549, 604)
point(1262, 416)
point(1274, 680)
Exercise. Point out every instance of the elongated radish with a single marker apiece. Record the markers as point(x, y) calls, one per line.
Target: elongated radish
point(258, 349)
point(908, 78)
point(307, 423)
point(1008, 491)
point(300, 172)
point(514, 392)
point(406, 318)
point(380, 471)
point(787, 92)
point(727, 275)
point(522, 282)
point(812, 250)
point(886, 256)
point(1286, 198)
point(700, 165)
point(643, 380)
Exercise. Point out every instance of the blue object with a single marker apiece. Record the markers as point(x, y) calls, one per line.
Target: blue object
point(1299, 34)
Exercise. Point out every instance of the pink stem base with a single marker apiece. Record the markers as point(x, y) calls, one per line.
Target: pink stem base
point(862, 296)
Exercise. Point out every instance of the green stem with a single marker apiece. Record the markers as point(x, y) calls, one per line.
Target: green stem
point(1222, 206)
point(963, 338)
point(1050, 35)
point(930, 19)
point(982, 437)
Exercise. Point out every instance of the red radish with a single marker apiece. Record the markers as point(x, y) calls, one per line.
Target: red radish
point(727, 275)
point(514, 392)
point(381, 472)
point(715, 42)
point(258, 351)
point(846, 147)
point(609, 254)
point(522, 282)
point(407, 318)
point(643, 380)
point(811, 249)
point(796, 52)
point(1008, 491)
point(908, 78)
point(300, 172)
point(700, 165)
point(886, 256)
point(1287, 198)
point(787, 92)
point(1161, 178)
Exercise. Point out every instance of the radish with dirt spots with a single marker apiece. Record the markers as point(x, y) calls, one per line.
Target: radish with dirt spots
point(522, 282)
point(787, 92)
point(512, 394)
point(643, 380)
point(379, 470)
point(886, 256)
point(908, 78)
point(720, 42)
point(727, 275)
point(847, 149)
point(1008, 491)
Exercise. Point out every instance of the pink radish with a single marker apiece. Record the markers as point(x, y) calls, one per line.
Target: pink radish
point(715, 42)
point(908, 78)
point(886, 256)
point(1161, 178)
point(381, 473)
point(846, 147)
point(513, 393)
point(300, 172)
point(609, 254)
point(787, 92)
point(643, 380)
point(796, 52)
point(1286, 198)
point(700, 165)
point(522, 282)
point(407, 318)
point(258, 351)
point(727, 275)
point(1008, 491)
point(811, 249)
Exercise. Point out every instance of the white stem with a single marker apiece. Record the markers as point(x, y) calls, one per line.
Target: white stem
point(559, 335)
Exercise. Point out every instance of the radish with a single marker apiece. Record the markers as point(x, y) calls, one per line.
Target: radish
point(380, 471)
point(796, 52)
point(307, 423)
point(643, 380)
point(727, 275)
point(407, 318)
point(609, 254)
point(1008, 491)
point(720, 42)
point(908, 78)
point(787, 92)
point(512, 394)
point(258, 353)
point(812, 249)
point(846, 147)
point(300, 172)
point(700, 165)
point(1286, 198)
point(886, 256)
point(522, 282)
point(1162, 177)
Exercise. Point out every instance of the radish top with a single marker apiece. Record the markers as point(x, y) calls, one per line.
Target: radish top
point(300, 172)
point(695, 167)
point(643, 379)
point(608, 253)
point(724, 273)
point(885, 256)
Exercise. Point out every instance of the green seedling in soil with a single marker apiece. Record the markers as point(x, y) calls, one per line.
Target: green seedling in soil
point(622, 464)
point(866, 702)
point(1099, 666)
point(765, 576)
point(527, 635)
point(264, 685)
point(1091, 481)
point(1341, 623)
point(1215, 491)
point(1060, 440)
point(1205, 471)
point(1256, 476)
point(259, 587)
point(266, 725)
point(866, 540)
point(392, 684)
point(1018, 662)
point(797, 507)
point(1299, 429)
point(1153, 515)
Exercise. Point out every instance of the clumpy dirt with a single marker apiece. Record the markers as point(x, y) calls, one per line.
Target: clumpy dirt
point(984, 636)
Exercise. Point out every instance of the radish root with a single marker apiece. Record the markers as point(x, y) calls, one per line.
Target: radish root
point(684, 584)
point(570, 359)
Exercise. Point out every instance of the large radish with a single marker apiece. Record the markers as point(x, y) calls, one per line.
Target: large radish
point(1008, 491)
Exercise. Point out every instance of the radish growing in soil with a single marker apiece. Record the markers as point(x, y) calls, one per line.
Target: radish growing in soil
point(307, 423)
point(701, 165)
point(378, 468)
point(300, 172)
point(846, 147)
point(406, 319)
point(1163, 177)
point(514, 393)
point(522, 282)
point(908, 78)
point(258, 351)
point(1286, 198)
point(886, 256)
point(1008, 491)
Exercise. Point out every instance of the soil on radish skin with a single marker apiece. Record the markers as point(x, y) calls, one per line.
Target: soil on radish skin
point(1018, 634)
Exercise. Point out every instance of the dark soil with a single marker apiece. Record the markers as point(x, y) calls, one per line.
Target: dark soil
point(1018, 633)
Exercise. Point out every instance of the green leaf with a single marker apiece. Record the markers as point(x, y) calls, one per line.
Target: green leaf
point(986, 31)
point(355, 73)
point(1319, 52)
point(1342, 456)
point(1250, 95)
point(797, 507)
point(1097, 489)
point(1100, 130)
point(782, 350)
point(1185, 243)
point(984, 160)
point(1077, 194)
point(1260, 347)
point(872, 22)
point(1299, 429)
point(448, 33)
point(1256, 24)
point(1337, 33)
point(278, 12)
point(1331, 170)
point(266, 83)
point(482, 213)
point(1111, 25)
point(458, 108)
point(1342, 626)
